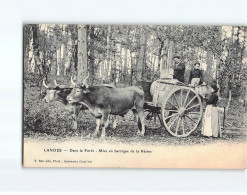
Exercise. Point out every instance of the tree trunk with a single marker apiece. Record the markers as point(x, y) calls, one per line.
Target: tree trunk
point(165, 55)
point(35, 46)
point(26, 49)
point(68, 59)
point(63, 57)
point(120, 72)
point(160, 55)
point(102, 68)
point(113, 69)
point(131, 69)
point(153, 65)
point(73, 31)
point(141, 56)
point(53, 72)
point(217, 74)
point(91, 56)
point(108, 59)
point(82, 53)
point(125, 65)
point(170, 53)
point(58, 61)
point(229, 100)
point(209, 62)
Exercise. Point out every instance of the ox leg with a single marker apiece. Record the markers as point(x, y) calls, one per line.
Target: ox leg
point(76, 110)
point(107, 122)
point(114, 126)
point(95, 134)
point(104, 124)
point(136, 119)
point(74, 122)
point(140, 112)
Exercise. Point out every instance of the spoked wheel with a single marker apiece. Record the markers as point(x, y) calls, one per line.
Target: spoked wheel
point(181, 111)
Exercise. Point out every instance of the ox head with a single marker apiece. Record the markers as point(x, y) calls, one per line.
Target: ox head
point(52, 92)
point(79, 91)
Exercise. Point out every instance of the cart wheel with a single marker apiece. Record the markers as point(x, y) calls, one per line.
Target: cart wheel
point(181, 111)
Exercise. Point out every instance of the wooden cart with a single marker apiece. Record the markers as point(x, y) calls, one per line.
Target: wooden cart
point(175, 106)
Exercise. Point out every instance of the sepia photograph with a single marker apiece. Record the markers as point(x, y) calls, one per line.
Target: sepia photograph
point(134, 96)
point(123, 96)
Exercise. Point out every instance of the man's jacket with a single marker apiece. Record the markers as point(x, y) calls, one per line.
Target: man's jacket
point(179, 70)
point(196, 73)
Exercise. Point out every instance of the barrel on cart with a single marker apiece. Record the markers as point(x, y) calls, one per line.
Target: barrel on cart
point(175, 106)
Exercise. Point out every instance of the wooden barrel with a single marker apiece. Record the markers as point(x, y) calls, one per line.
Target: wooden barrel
point(160, 88)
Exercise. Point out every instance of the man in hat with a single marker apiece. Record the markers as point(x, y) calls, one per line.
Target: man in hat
point(196, 75)
point(179, 69)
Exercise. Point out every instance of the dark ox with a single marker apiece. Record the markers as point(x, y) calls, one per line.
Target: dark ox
point(104, 100)
point(59, 93)
point(145, 85)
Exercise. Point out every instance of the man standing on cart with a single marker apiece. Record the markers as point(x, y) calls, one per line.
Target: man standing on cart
point(179, 69)
point(196, 75)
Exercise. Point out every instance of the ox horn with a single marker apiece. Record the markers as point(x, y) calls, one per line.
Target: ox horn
point(85, 81)
point(45, 85)
point(72, 82)
point(55, 83)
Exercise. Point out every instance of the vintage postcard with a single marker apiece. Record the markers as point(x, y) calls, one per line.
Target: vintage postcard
point(134, 96)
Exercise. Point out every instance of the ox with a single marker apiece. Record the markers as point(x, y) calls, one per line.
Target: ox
point(59, 93)
point(145, 85)
point(104, 100)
